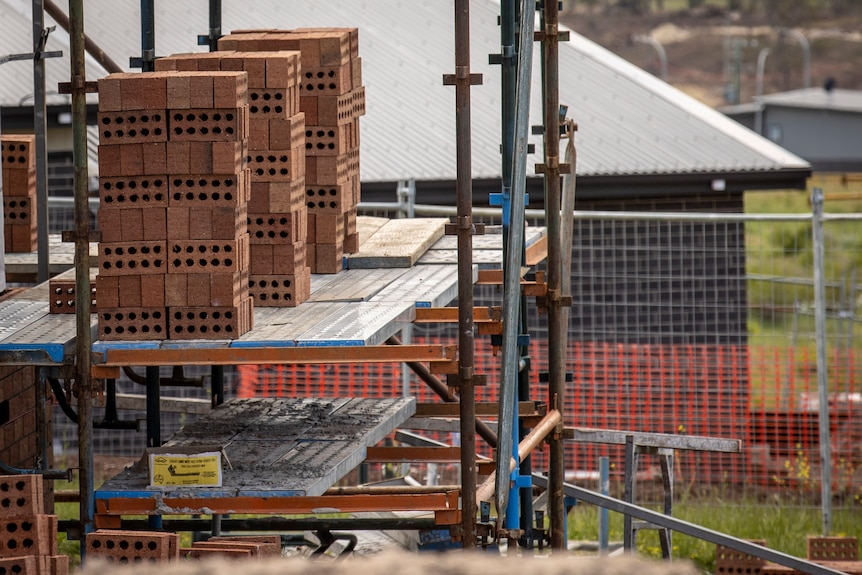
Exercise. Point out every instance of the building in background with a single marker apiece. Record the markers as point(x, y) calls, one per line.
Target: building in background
point(822, 125)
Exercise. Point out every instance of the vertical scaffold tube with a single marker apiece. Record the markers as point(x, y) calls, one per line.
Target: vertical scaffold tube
point(82, 264)
point(464, 191)
point(556, 376)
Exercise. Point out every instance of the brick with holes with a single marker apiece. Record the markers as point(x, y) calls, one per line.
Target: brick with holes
point(273, 228)
point(130, 126)
point(122, 547)
point(118, 258)
point(208, 256)
point(232, 189)
point(34, 534)
point(211, 322)
point(133, 192)
point(23, 565)
point(62, 296)
point(288, 290)
point(21, 495)
point(132, 323)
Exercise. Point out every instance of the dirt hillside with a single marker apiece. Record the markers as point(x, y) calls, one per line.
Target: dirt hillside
point(701, 47)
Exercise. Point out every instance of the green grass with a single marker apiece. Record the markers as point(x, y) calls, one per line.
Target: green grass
point(783, 527)
point(781, 311)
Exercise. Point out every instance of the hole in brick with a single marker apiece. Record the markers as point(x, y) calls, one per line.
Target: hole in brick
point(253, 109)
point(217, 117)
point(229, 117)
point(21, 502)
point(254, 95)
point(178, 117)
point(11, 544)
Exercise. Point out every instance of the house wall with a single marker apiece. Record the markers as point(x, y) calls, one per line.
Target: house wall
point(830, 140)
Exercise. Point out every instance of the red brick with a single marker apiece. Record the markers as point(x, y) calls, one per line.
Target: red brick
point(130, 291)
point(258, 137)
point(271, 544)
point(179, 92)
point(328, 228)
point(255, 549)
point(227, 157)
point(230, 89)
point(201, 90)
point(351, 243)
point(267, 103)
point(178, 223)
point(228, 289)
point(208, 256)
point(24, 565)
point(132, 126)
point(208, 125)
point(277, 197)
point(210, 322)
point(19, 211)
point(153, 290)
point(110, 93)
point(328, 258)
point(215, 190)
point(221, 553)
point(120, 258)
point(277, 166)
point(133, 192)
point(132, 323)
point(155, 158)
point(33, 534)
point(287, 290)
point(131, 160)
point(178, 158)
point(198, 294)
point(17, 183)
point(176, 290)
point(108, 288)
point(201, 159)
point(272, 228)
point(288, 134)
point(334, 198)
point(327, 80)
point(128, 546)
point(21, 495)
point(145, 91)
point(109, 161)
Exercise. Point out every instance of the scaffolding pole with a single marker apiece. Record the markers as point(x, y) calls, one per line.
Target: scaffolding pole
point(83, 380)
point(551, 168)
point(507, 436)
point(462, 80)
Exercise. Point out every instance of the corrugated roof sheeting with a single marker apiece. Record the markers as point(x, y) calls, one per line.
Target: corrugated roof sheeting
point(630, 122)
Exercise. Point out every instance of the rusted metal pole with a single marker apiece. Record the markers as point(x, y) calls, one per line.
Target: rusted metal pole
point(442, 392)
point(464, 225)
point(556, 375)
point(527, 445)
point(82, 265)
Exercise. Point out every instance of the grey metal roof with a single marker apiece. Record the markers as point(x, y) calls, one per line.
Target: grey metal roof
point(630, 123)
point(838, 100)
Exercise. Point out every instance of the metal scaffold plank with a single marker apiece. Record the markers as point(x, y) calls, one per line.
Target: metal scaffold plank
point(273, 448)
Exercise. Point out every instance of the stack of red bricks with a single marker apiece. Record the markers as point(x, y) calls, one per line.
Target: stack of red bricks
point(235, 547)
point(174, 255)
point(19, 192)
point(277, 216)
point(132, 547)
point(332, 98)
point(28, 537)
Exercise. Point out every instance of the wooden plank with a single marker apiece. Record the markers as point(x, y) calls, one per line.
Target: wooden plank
point(398, 243)
point(366, 226)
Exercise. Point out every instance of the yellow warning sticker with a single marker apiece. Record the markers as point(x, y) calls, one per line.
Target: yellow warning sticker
point(185, 469)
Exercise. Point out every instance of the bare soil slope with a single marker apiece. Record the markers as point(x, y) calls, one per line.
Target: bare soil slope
point(701, 46)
